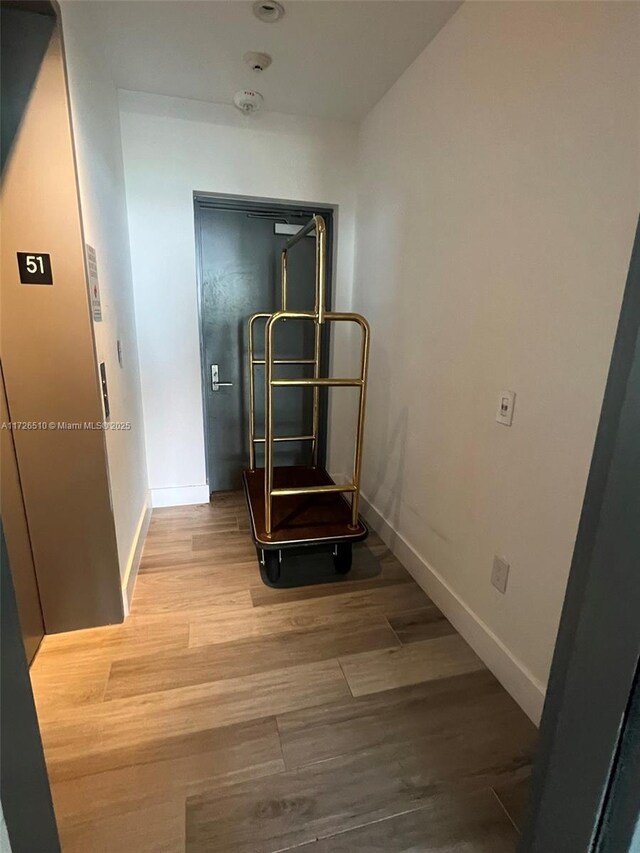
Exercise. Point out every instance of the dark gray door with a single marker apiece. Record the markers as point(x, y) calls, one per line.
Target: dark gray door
point(240, 276)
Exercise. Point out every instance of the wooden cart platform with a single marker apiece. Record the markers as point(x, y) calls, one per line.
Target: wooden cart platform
point(300, 519)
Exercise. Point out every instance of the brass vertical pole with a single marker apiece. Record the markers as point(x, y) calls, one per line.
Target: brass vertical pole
point(317, 340)
point(252, 409)
point(283, 277)
point(252, 389)
point(321, 248)
point(268, 442)
point(362, 401)
point(321, 276)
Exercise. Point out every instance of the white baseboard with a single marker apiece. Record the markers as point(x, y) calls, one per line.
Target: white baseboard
point(135, 555)
point(527, 691)
point(180, 495)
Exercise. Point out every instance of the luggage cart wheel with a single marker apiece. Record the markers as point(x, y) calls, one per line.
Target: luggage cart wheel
point(271, 563)
point(342, 555)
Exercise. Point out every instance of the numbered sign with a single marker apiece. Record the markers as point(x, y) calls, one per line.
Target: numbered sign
point(35, 268)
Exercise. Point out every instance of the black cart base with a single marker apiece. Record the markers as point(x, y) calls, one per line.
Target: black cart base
point(299, 520)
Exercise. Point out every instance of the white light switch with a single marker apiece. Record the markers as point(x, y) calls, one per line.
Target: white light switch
point(500, 574)
point(504, 415)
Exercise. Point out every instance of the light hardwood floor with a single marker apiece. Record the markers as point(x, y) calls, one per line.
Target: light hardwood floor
point(225, 716)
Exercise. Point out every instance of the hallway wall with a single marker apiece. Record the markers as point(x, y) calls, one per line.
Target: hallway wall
point(172, 148)
point(96, 125)
point(498, 190)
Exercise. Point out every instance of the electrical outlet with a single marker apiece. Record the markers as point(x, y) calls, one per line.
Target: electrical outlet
point(500, 574)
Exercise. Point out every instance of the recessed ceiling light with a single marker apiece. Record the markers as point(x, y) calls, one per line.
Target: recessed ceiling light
point(268, 11)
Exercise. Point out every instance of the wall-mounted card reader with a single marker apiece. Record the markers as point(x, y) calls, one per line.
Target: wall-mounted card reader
point(105, 390)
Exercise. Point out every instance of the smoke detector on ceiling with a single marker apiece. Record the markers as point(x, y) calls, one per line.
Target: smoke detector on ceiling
point(268, 11)
point(257, 61)
point(248, 101)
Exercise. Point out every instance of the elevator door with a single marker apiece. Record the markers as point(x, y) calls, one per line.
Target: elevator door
point(16, 531)
point(240, 276)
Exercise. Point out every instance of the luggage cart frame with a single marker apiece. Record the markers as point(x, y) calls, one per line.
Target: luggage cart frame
point(309, 507)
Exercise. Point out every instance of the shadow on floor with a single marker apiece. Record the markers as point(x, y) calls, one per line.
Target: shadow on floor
point(314, 565)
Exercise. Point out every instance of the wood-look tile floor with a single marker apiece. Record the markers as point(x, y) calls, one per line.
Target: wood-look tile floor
point(225, 716)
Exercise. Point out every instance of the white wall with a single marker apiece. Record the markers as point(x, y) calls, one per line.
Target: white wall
point(173, 147)
point(96, 125)
point(498, 191)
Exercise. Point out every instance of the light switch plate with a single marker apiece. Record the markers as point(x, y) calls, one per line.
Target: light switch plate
point(500, 574)
point(506, 404)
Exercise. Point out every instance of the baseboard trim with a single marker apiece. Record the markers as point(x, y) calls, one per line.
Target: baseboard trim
point(517, 680)
point(135, 555)
point(180, 496)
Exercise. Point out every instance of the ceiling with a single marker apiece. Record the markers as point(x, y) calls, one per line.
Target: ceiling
point(330, 59)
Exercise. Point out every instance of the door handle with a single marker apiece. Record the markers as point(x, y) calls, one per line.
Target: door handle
point(215, 383)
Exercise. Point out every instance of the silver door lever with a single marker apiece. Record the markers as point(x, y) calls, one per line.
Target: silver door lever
point(215, 384)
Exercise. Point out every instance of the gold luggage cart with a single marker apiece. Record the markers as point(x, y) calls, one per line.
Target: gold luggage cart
point(301, 505)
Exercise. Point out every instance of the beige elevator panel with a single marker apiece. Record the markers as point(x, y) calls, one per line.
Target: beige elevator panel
point(50, 369)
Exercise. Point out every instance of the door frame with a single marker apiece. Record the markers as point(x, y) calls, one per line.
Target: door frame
point(263, 205)
point(590, 729)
